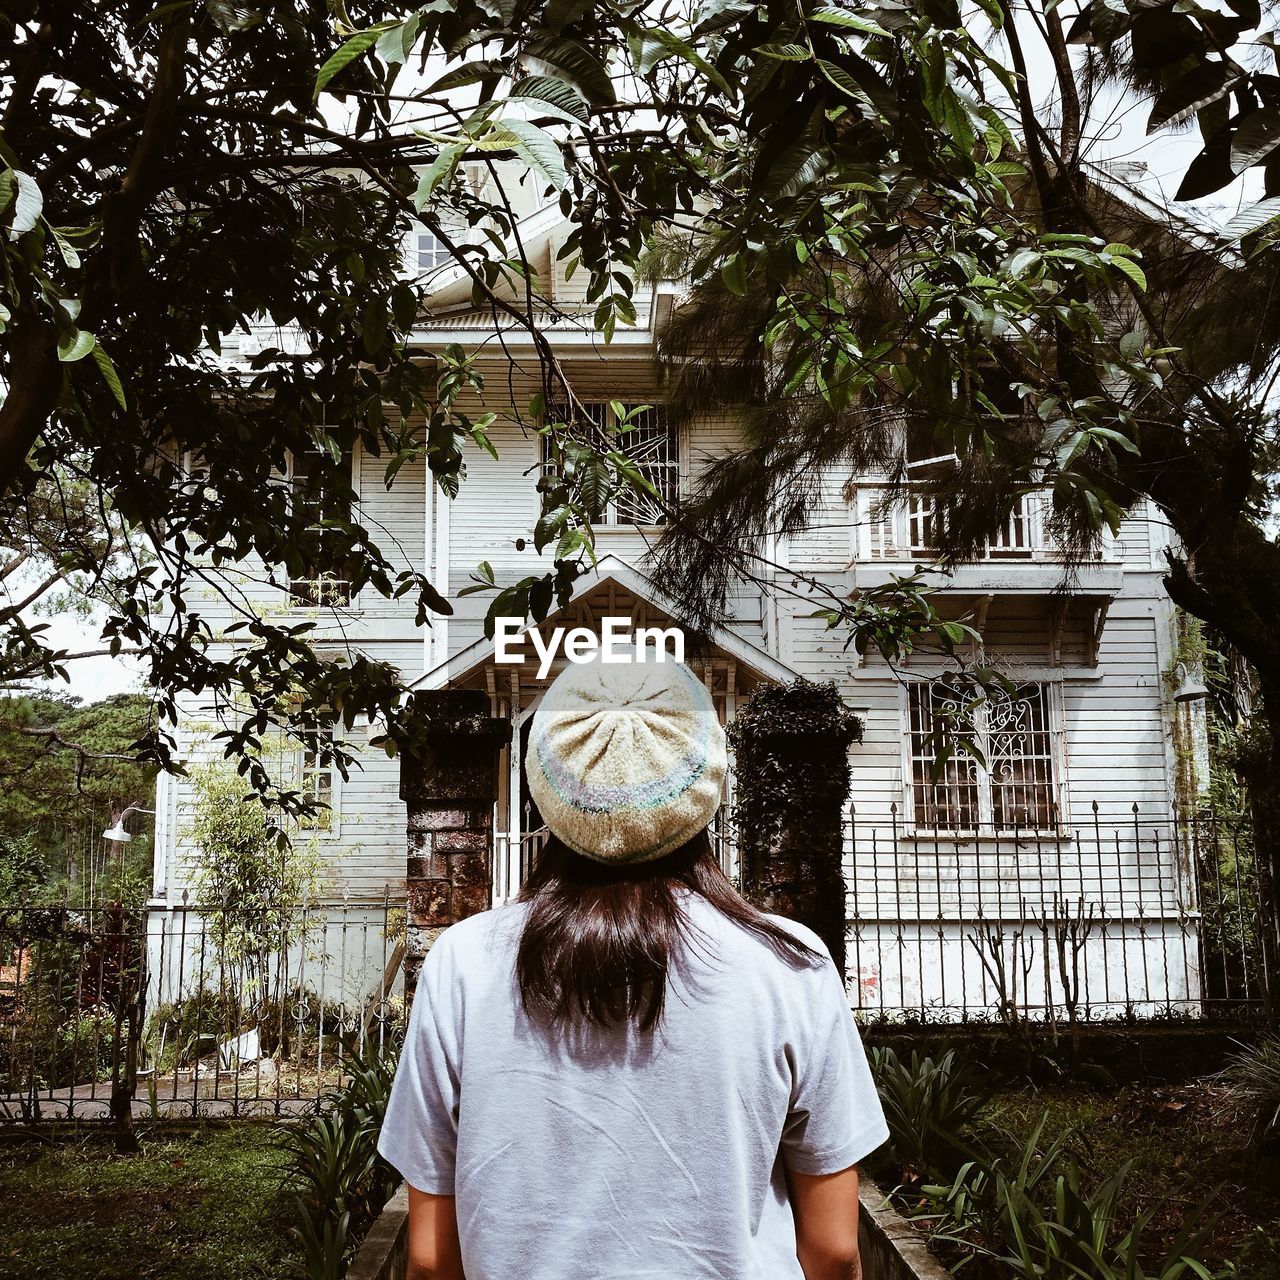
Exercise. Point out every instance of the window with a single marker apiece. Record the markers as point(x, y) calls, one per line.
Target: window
point(324, 577)
point(431, 252)
point(318, 775)
point(1014, 731)
point(653, 445)
point(931, 461)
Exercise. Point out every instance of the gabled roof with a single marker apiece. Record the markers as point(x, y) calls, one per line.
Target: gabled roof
point(466, 663)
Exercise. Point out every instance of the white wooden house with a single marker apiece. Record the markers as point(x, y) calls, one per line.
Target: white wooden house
point(958, 889)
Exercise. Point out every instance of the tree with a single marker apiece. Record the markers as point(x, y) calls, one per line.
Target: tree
point(162, 188)
point(64, 769)
point(253, 886)
point(882, 188)
point(1138, 381)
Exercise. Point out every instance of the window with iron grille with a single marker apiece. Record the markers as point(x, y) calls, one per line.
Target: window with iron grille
point(652, 443)
point(1018, 790)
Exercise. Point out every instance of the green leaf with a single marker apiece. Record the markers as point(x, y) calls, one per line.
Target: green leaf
point(734, 275)
point(1132, 270)
point(850, 21)
point(359, 43)
point(1252, 219)
point(1205, 83)
point(575, 62)
point(956, 119)
point(1021, 261)
point(75, 345)
point(673, 44)
point(539, 150)
point(469, 73)
point(29, 203)
point(65, 247)
point(842, 80)
point(1116, 437)
point(109, 375)
point(784, 52)
point(229, 17)
point(1256, 138)
point(439, 171)
point(567, 102)
point(395, 44)
point(1210, 171)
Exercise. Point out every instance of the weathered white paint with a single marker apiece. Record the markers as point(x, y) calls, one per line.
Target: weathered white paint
point(1104, 654)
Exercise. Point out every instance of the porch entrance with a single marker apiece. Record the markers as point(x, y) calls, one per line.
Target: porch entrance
point(731, 667)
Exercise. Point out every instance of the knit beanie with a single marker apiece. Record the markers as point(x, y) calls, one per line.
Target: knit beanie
point(626, 760)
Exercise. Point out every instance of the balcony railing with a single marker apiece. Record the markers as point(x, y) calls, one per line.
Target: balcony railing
point(895, 526)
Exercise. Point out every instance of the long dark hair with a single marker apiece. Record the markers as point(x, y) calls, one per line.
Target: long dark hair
point(599, 939)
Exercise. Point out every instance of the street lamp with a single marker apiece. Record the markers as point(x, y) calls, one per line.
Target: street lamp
point(117, 833)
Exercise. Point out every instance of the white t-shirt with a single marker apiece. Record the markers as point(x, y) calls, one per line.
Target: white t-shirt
point(619, 1154)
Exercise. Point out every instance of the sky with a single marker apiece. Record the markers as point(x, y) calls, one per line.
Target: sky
point(1157, 164)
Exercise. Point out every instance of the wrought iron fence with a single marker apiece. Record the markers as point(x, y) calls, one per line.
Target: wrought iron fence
point(191, 1011)
point(1097, 921)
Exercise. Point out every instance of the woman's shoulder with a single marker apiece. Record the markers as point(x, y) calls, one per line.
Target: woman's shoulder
point(801, 932)
point(477, 935)
point(707, 917)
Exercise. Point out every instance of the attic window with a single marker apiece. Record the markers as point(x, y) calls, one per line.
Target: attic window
point(431, 252)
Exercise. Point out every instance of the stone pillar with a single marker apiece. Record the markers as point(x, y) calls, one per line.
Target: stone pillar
point(792, 778)
point(449, 782)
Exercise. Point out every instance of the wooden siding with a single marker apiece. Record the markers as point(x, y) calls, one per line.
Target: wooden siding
point(1114, 730)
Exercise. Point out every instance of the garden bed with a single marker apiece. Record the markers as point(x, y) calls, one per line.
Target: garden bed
point(207, 1203)
point(1184, 1141)
point(982, 1170)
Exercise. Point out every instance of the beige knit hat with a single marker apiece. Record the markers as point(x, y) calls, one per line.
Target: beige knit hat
point(626, 761)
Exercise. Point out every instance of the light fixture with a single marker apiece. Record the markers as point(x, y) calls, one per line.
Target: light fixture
point(118, 834)
point(1190, 689)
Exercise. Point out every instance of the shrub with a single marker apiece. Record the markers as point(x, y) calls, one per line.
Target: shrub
point(1033, 1219)
point(339, 1179)
point(927, 1105)
point(1253, 1074)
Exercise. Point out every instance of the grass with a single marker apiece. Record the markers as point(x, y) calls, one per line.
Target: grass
point(1184, 1142)
point(188, 1208)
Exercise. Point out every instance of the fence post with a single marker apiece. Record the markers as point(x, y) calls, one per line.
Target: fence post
point(130, 965)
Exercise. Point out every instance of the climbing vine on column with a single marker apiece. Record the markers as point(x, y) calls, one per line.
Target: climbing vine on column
point(792, 765)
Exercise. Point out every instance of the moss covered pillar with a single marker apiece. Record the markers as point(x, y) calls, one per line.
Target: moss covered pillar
point(449, 782)
point(792, 779)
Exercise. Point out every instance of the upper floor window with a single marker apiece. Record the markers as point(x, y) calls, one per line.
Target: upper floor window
point(431, 252)
point(1016, 733)
point(323, 576)
point(652, 442)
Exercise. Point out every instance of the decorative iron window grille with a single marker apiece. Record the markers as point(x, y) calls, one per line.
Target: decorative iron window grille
point(1018, 790)
point(652, 442)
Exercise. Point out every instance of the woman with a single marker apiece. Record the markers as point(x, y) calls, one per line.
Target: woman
point(631, 1072)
